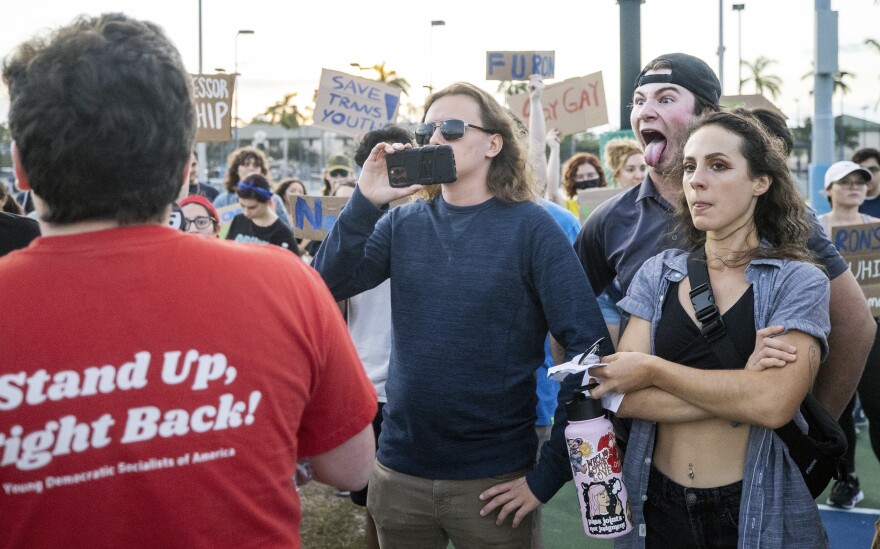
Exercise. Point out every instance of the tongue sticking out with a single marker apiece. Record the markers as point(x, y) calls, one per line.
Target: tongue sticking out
point(653, 151)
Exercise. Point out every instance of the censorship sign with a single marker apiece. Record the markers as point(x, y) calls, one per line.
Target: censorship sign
point(213, 101)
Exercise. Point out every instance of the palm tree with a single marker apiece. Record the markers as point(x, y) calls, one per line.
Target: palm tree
point(762, 81)
point(839, 84)
point(389, 77)
point(840, 131)
point(283, 112)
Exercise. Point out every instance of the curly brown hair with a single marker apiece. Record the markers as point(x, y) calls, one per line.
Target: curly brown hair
point(510, 177)
point(780, 216)
point(239, 157)
point(103, 116)
point(569, 172)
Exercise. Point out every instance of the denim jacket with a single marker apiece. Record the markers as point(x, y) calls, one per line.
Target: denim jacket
point(776, 508)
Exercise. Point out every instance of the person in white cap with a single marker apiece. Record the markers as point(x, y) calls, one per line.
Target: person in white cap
point(846, 186)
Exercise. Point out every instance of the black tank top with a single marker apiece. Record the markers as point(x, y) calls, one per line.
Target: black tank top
point(678, 338)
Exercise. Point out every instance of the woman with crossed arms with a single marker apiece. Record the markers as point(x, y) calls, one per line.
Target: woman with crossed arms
point(703, 466)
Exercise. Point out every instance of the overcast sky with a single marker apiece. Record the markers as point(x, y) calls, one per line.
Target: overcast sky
point(292, 41)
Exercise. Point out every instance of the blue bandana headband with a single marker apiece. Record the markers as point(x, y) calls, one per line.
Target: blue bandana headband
point(265, 193)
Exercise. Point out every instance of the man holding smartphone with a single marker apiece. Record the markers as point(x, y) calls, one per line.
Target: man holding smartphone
point(479, 274)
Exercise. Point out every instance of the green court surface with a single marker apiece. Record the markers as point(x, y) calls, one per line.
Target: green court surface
point(562, 527)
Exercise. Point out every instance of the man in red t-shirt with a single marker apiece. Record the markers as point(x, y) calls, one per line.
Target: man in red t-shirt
point(154, 389)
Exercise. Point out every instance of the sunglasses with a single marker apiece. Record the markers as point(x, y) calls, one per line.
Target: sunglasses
point(451, 130)
point(200, 222)
point(339, 173)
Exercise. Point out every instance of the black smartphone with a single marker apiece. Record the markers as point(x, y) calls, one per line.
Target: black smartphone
point(426, 165)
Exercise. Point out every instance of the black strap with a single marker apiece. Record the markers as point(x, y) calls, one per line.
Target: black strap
point(711, 324)
point(817, 464)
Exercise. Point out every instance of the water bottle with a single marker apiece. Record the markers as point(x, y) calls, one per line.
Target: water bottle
point(597, 469)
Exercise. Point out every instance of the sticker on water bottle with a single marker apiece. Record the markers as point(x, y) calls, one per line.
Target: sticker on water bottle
point(597, 464)
point(605, 510)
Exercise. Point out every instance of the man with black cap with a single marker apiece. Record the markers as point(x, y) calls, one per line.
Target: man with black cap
point(670, 92)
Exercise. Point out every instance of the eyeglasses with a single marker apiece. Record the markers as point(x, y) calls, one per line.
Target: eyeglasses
point(451, 130)
point(851, 183)
point(339, 173)
point(201, 222)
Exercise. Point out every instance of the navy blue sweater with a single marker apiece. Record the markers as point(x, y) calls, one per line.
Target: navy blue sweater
point(470, 315)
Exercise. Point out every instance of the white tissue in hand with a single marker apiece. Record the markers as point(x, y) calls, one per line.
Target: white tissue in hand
point(574, 366)
point(610, 401)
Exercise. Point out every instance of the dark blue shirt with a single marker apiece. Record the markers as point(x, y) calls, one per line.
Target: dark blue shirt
point(637, 224)
point(202, 189)
point(469, 317)
point(871, 206)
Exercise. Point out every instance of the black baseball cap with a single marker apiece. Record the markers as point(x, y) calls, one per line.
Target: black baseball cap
point(689, 72)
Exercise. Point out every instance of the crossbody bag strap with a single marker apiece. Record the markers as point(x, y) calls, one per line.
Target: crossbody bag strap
point(711, 324)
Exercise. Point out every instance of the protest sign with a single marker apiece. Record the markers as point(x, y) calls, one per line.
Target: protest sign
point(352, 105)
point(519, 65)
point(212, 94)
point(314, 216)
point(860, 247)
point(226, 213)
point(570, 106)
point(589, 199)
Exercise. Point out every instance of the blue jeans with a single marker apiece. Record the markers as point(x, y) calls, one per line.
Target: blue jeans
point(677, 516)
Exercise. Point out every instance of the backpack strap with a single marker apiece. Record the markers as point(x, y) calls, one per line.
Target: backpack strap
point(711, 324)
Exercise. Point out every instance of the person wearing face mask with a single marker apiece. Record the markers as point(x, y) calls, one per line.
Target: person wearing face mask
point(581, 171)
point(242, 163)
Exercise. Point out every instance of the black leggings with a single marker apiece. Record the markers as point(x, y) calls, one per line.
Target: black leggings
point(869, 395)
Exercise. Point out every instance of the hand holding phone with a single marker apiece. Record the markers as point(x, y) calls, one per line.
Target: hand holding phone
point(428, 165)
point(373, 182)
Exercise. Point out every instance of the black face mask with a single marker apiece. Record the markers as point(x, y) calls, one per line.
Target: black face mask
point(587, 183)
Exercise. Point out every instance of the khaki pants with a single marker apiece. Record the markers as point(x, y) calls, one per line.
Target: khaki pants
point(417, 512)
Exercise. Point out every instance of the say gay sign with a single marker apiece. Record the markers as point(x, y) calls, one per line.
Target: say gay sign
point(212, 94)
point(570, 106)
point(352, 105)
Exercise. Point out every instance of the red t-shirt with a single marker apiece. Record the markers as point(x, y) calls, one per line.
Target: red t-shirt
point(156, 389)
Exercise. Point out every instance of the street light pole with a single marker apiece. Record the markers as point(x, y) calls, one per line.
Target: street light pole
point(738, 8)
point(235, 119)
point(201, 148)
point(200, 36)
point(435, 23)
point(721, 44)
